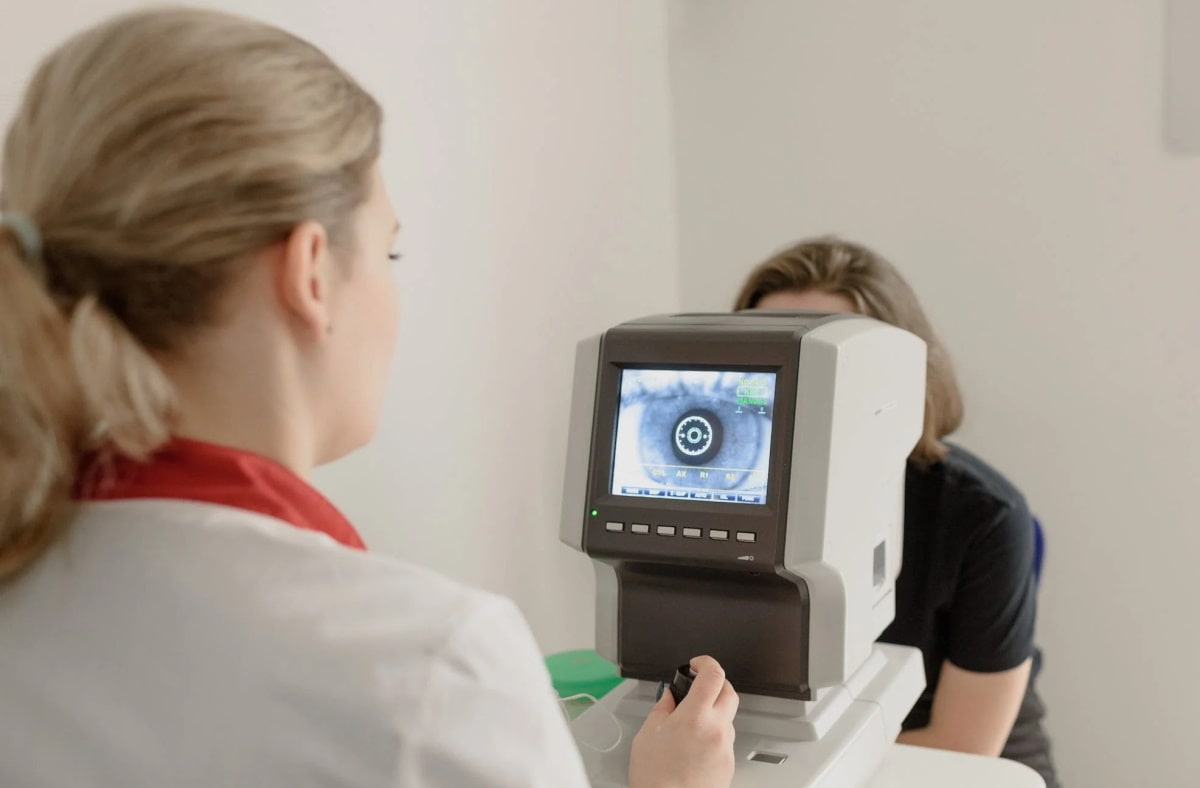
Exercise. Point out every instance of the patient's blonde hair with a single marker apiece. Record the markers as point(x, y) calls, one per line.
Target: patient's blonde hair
point(153, 152)
point(877, 290)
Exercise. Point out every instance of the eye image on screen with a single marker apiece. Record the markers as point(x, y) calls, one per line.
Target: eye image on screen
point(694, 434)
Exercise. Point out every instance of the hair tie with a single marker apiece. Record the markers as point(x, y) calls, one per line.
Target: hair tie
point(29, 238)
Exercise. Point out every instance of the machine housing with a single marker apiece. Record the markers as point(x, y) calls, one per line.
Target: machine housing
point(800, 606)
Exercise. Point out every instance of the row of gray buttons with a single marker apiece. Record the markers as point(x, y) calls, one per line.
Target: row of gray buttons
point(688, 533)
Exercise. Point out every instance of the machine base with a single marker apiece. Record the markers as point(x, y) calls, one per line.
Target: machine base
point(772, 750)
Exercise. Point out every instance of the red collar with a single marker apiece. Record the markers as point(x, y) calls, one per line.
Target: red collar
point(189, 470)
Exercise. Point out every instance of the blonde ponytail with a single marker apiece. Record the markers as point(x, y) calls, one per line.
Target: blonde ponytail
point(67, 386)
point(40, 412)
point(154, 153)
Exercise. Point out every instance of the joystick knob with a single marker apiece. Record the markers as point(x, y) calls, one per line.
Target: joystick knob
point(682, 683)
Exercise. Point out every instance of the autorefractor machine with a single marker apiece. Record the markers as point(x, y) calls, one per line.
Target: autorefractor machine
point(738, 482)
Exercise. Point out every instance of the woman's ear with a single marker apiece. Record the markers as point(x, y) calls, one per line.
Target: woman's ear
point(303, 277)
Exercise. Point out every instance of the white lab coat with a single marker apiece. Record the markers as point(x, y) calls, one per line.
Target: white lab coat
point(170, 643)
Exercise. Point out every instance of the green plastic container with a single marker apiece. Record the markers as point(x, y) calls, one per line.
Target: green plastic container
point(581, 672)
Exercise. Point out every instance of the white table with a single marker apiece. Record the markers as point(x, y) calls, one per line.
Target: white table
point(920, 767)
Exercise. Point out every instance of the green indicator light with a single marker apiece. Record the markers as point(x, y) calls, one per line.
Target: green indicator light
point(595, 512)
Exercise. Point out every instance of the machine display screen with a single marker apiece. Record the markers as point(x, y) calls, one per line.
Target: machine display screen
point(698, 435)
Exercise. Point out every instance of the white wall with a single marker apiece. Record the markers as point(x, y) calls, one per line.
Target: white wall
point(1010, 158)
point(528, 152)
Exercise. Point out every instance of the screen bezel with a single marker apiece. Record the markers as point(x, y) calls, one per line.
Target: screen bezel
point(721, 350)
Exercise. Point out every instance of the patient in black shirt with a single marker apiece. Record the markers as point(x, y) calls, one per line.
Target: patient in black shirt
point(967, 591)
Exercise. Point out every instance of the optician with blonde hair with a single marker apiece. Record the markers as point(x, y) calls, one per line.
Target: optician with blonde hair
point(196, 309)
